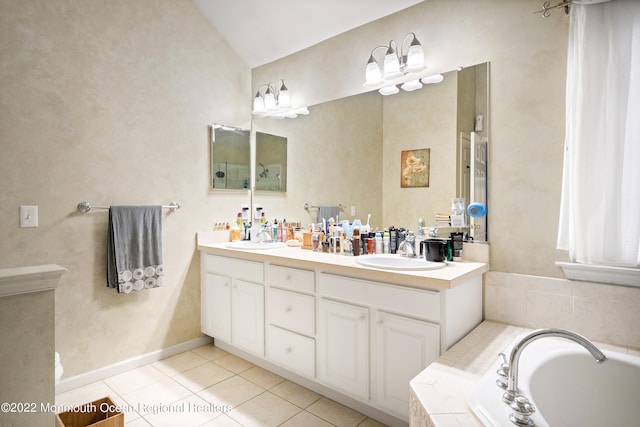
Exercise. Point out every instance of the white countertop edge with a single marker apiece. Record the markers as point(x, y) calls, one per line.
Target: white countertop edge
point(36, 278)
point(443, 278)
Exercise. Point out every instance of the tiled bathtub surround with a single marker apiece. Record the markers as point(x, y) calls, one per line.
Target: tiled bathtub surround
point(601, 312)
point(439, 394)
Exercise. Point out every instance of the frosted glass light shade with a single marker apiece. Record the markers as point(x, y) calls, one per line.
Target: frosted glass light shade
point(436, 78)
point(389, 90)
point(284, 101)
point(269, 100)
point(373, 75)
point(415, 57)
point(391, 64)
point(258, 104)
point(411, 85)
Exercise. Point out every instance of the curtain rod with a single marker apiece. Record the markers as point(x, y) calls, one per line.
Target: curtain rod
point(546, 7)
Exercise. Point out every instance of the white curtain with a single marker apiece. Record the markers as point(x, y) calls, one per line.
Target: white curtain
point(600, 206)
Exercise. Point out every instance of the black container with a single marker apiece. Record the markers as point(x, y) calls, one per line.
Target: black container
point(434, 249)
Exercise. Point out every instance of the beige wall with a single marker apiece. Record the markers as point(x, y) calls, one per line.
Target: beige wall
point(528, 66)
point(109, 101)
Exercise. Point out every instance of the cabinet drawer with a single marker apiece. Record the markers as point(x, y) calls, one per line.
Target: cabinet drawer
point(291, 278)
point(237, 268)
point(291, 310)
point(292, 351)
point(411, 302)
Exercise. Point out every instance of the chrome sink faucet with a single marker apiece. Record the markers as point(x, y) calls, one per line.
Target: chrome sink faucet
point(264, 235)
point(408, 246)
point(520, 404)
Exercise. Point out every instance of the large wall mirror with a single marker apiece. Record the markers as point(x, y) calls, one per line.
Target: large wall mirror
point(230, 157)
point(271, 162)
point(349, 151)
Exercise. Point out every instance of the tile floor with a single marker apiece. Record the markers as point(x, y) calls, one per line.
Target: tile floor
point(196, 388)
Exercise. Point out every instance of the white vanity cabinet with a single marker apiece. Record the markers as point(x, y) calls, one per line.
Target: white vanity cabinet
point(291, 319)
point(232, 301)
point(354, 334)
point(375, 337)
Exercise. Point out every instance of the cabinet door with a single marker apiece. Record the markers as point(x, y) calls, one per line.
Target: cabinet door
point(247, 311)
point(216, 307)
point(343, 341)
point(404, 347)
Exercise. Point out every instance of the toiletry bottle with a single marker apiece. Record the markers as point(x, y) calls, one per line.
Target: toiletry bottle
point(378, 241)
point(240, 225)
point(281, 231)
point(315, 240)
point(364, 240)
point(356, 242)
point(371, 247)
point(274, 230)
point(420, 227)
point(386, 241)
point(393, 239)
point(263, 218)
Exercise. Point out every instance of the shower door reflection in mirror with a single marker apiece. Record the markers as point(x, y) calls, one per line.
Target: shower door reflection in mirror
point(271, 162)
point(230, 158)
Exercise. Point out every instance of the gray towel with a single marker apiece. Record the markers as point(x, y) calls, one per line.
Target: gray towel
point(327, 212)
point(134, 255)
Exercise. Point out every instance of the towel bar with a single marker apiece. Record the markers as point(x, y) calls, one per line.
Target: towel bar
point(84, 207)
point(307, 206)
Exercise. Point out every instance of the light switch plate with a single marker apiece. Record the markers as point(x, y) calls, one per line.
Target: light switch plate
point(28, 216)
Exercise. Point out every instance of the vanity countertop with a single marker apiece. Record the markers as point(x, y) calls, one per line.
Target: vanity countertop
point(443, 278)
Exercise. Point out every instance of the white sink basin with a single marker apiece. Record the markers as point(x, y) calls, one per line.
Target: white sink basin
point(397, 262)
point(249, 245)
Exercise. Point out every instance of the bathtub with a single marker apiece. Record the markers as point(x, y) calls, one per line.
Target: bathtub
point(567, 387)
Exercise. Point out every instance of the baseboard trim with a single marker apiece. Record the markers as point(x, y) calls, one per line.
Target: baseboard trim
point(80, 380)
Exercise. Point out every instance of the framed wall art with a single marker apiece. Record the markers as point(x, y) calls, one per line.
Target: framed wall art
point(414, 168)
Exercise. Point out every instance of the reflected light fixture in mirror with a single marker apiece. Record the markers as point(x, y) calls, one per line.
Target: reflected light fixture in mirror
point(275, 101)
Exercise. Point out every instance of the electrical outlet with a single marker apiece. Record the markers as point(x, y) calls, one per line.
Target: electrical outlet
point(28, 216)
point(353, 211)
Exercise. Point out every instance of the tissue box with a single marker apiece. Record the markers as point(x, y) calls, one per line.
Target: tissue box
point(99, 413)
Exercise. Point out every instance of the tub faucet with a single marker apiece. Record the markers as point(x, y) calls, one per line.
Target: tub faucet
point(520, 404)
point(407, 246)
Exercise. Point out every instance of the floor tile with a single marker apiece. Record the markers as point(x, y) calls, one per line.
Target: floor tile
point(265, 410)
point(209, 387)
point(262, 377)
point(210, 352)
point(234, 391)
point(134, 379)
point(306, 419)
point(223, 421)
point(192, 411)
point(296, 394)
point(234, 363)
point(179, 363)
point(336, 413)
point(155, 396)
point(203, 376)
point(84, 394)
point(138, 422)
point(370, 422)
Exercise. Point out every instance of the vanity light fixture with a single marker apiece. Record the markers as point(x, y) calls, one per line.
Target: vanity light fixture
point(274, 101)
point(395, 64)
